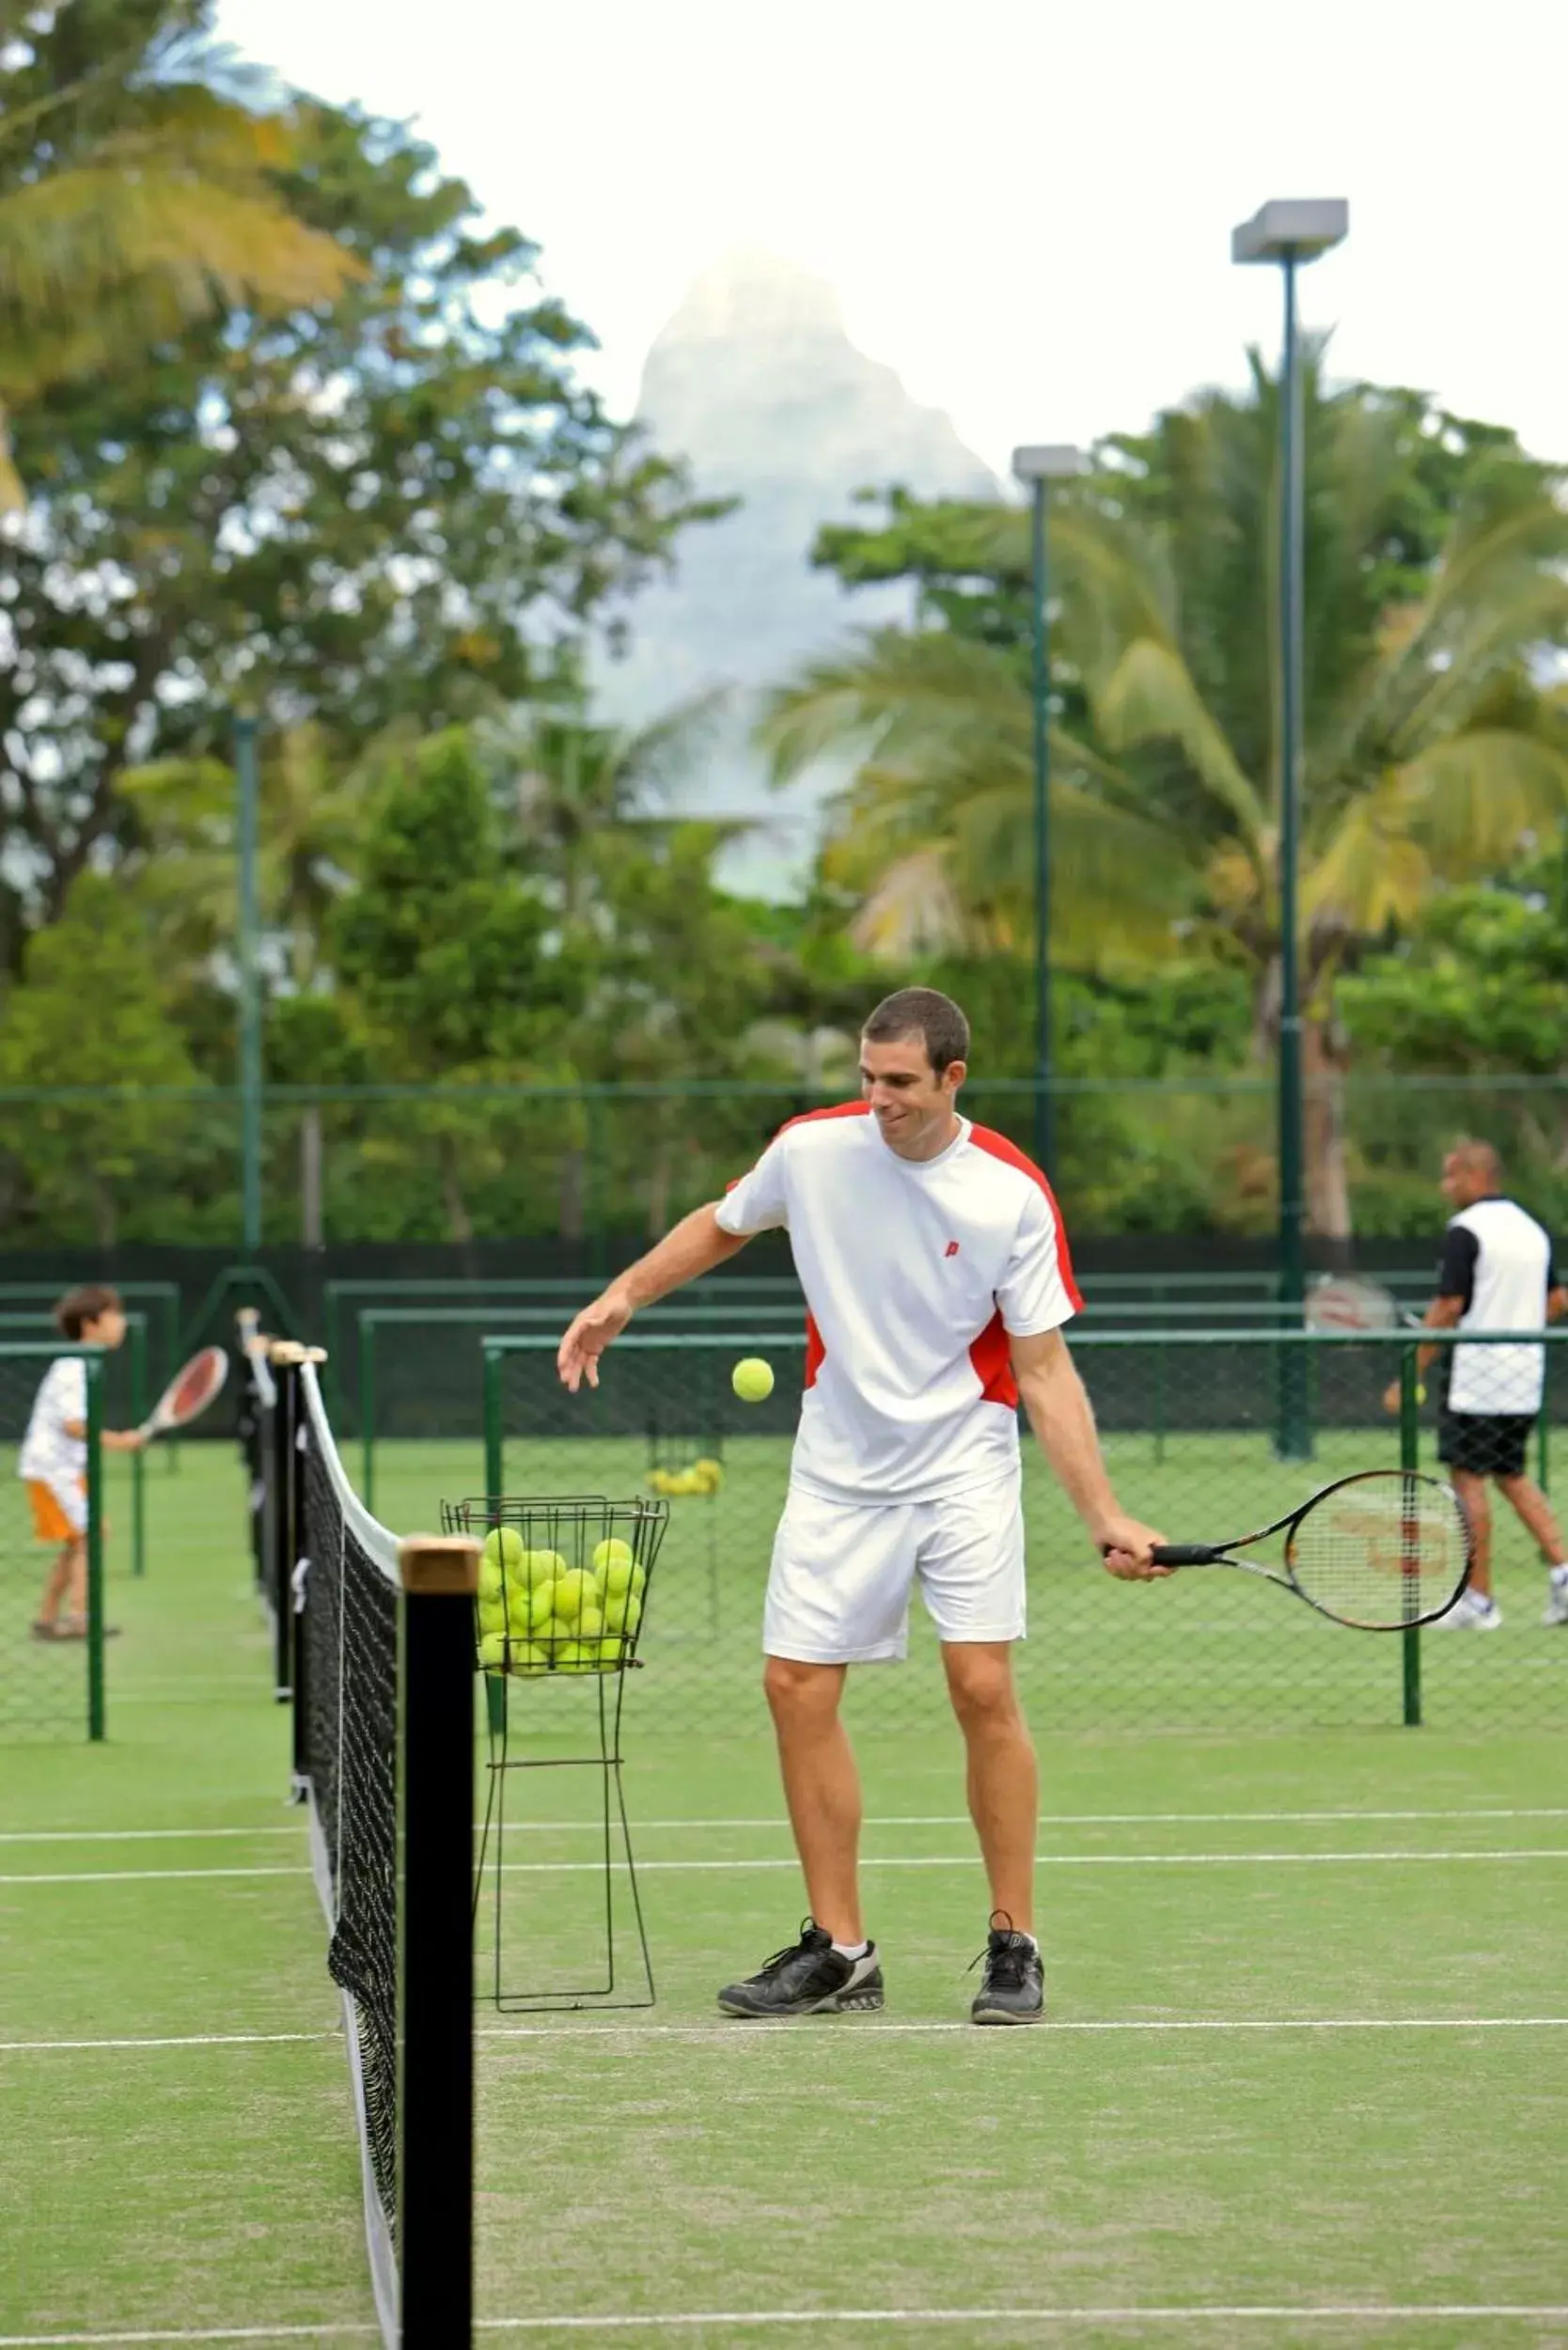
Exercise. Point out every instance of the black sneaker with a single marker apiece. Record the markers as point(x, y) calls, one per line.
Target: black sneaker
point(810, 1977)
point(1014, 1991)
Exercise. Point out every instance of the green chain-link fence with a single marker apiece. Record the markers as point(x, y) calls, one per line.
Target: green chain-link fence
point(1190, 1424)
point(411, 1376)
point(48, 1689)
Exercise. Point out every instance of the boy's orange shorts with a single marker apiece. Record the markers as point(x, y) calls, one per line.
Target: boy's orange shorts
point(50, 1522)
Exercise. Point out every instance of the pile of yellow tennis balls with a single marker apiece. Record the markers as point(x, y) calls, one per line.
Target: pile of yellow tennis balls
point(703, 1477)
point(537, 1614)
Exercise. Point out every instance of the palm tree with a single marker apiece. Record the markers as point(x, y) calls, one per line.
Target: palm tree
point(137, 196)
point(1430, 750)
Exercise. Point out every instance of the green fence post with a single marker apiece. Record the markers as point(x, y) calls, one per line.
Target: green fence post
point(367, 1410)
point(137, 1334)
point(494, 1434)
point(95, 1548)
point(1410, 1460)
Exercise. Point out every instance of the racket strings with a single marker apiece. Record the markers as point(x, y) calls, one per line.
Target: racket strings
point(1382, 1550)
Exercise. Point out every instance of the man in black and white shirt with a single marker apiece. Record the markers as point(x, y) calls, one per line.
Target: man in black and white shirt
point(1496, 1272)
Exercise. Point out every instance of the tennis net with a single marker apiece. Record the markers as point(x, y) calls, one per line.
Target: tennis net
point(383, 1679)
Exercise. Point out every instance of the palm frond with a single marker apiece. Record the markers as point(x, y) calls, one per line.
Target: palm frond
point(1149, 697)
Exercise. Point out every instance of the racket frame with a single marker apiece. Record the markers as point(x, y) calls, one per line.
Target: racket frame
point(1223, 1554)
point(161, 1420)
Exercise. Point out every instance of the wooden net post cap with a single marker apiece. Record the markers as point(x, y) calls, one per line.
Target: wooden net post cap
point(440, 1563)
point(286, 1353)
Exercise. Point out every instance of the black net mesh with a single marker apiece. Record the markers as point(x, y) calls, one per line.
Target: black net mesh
point(1205, 1437)
point(351, 1696)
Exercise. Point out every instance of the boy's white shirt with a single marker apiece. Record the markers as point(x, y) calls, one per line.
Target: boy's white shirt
point(49, 1456)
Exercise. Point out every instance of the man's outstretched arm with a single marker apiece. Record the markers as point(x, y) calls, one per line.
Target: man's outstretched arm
point(1064, 1419)
point(693, 1247)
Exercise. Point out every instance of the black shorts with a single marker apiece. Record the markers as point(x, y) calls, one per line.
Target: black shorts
point(1488, 1444)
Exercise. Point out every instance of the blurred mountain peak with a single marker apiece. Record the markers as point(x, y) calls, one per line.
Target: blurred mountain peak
point(755, 382)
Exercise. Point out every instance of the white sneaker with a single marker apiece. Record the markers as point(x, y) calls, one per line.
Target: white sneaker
point(1472, 1611)
point(1557, 1596)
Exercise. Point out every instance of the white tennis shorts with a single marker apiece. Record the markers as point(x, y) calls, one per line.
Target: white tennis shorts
point(839, 1589)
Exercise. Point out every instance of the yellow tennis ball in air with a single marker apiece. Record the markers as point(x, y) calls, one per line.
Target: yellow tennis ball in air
point(1420, 1395)
point(752, 1380)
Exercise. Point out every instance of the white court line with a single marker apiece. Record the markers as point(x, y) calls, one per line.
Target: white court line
point(144, 1876)
point(868, 1860)
point(139, 1835)
point(738, 2029)
point(944, 1819)
point(184, 2039)
point(759, 2029)
point(1328, 2313)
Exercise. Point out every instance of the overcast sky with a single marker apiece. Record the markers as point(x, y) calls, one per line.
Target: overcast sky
point(1025, 206)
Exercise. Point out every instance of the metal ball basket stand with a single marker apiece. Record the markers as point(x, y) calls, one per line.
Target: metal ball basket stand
point(563, 1599)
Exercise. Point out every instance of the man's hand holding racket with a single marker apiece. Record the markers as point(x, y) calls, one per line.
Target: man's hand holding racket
point(1127, 1547)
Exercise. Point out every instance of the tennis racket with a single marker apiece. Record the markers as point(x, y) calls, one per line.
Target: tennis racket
point(188, 1393)
point(1379, 1551)
point(1343, 1301)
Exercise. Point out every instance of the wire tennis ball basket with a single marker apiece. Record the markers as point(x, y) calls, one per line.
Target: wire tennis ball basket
point(564, 1587)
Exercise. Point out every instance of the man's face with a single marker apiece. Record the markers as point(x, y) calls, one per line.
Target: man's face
point(907, 1095)
point(1461, 1185)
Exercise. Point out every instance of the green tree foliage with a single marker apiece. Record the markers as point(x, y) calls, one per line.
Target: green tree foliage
point(402, 510)
point(92, 1015)
point(456, 967)
point(136, 195)
point(1480, 985)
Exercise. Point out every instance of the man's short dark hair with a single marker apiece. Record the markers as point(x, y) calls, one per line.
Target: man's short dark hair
point(936, 1020)
point(1480, 1158)
point(89, 1303)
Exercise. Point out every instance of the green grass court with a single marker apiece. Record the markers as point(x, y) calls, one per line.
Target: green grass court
point(1309, 2023)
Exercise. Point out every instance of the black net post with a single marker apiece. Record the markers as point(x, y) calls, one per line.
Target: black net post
point(435, 2035)
point(1409, 1460)
point(280, 1470)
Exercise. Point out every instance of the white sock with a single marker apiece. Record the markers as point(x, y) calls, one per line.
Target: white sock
point(851, 1949)
point(1558, 1574)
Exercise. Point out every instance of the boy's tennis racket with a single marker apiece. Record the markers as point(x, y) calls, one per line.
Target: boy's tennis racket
point(1379, 1551)
point(188, 1393)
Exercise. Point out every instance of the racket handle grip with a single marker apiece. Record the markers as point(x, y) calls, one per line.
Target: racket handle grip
point(1185, 1554)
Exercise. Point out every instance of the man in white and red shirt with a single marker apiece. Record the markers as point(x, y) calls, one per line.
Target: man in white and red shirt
point(937, 1279)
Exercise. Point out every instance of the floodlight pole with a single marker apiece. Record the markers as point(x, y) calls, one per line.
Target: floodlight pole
point(1291, 234)
point(1038, 466)
point(1292, 1269)
point(246, 829)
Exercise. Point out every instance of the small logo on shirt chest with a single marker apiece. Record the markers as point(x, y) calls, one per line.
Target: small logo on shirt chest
point(951, 1249)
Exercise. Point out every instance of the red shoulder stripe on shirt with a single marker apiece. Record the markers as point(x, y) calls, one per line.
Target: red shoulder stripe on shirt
point(834, 1109)
point(986, 1138)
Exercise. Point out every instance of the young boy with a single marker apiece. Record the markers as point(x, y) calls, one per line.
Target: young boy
point(53, 1458)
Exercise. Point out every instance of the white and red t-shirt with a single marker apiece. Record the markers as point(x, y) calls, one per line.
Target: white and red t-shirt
point(915, 1273)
